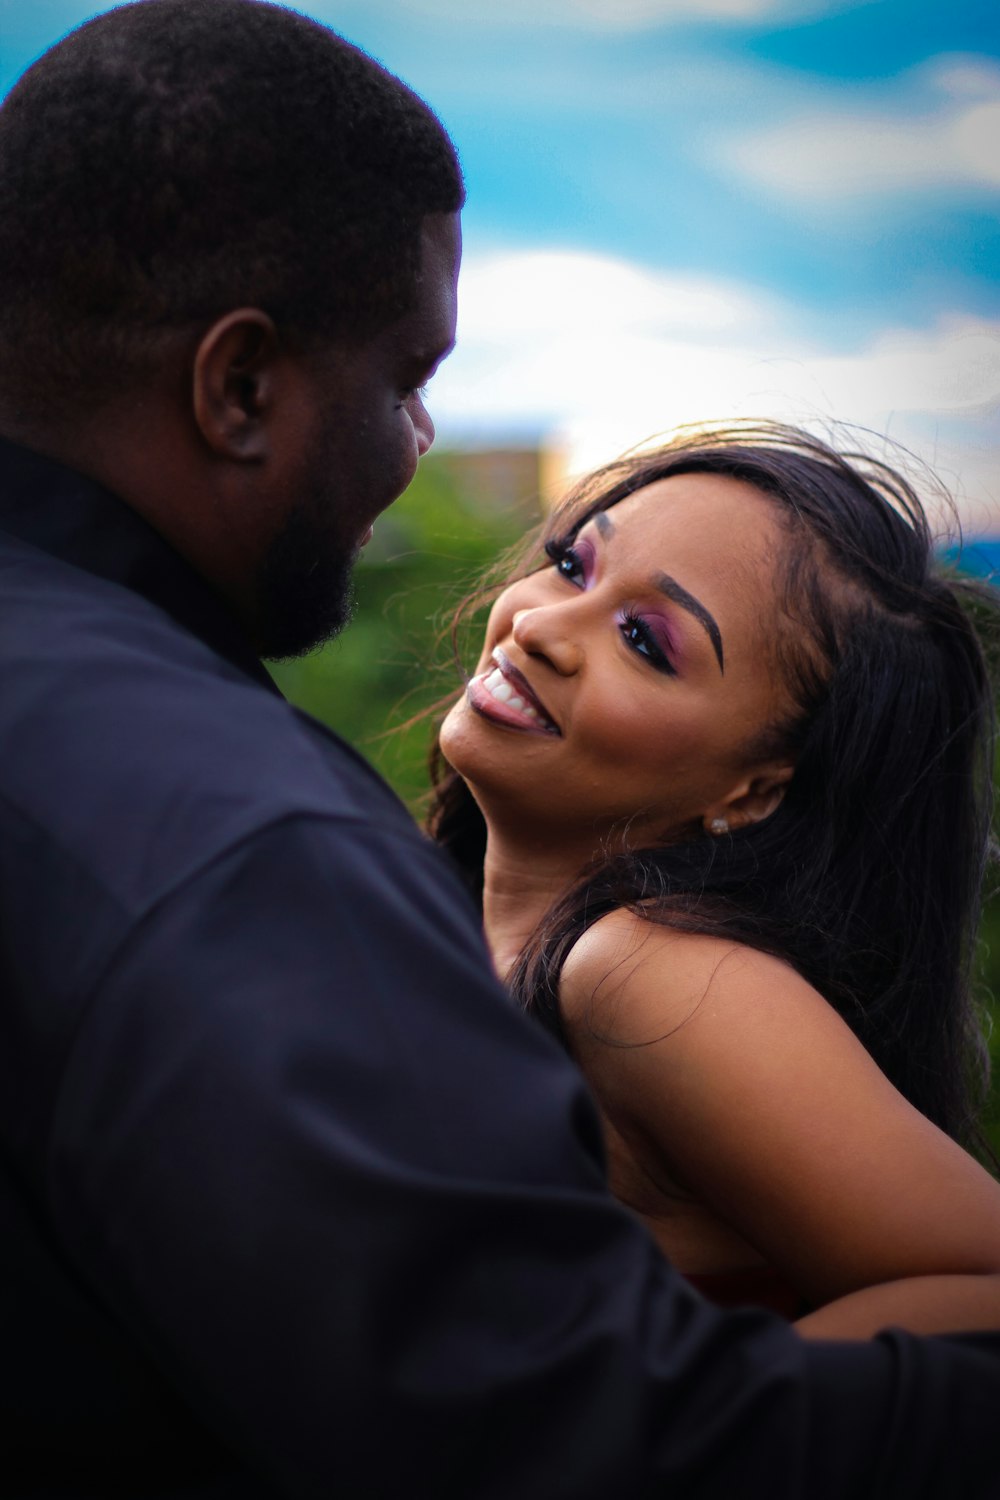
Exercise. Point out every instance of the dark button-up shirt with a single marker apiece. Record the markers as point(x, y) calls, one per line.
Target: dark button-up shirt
point(291, 1202)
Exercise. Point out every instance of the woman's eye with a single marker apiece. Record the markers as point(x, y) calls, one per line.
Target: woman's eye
point(566, 561)
point(643, 642)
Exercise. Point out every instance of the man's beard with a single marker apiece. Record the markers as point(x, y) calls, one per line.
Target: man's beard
point(304, 589)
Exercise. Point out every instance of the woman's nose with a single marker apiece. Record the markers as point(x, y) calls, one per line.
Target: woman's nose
point(544, 631)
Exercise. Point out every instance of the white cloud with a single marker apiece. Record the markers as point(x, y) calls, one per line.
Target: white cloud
point(600, 355)
point(953, 368)
point(970, 76)
point(623, 15)
point(543, 291)
point(851, 153)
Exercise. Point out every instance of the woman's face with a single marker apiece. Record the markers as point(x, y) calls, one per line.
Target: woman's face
point(619, 688)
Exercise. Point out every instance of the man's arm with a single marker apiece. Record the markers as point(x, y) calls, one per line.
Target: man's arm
point(352, 1205)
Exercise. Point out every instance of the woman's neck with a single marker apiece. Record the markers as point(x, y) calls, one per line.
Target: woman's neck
point(519, 885)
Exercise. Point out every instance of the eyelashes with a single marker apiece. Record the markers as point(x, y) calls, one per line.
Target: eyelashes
point(565, 559)
point(640, 636)
point(574, 564)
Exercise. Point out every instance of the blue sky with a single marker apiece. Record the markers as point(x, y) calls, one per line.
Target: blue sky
point(683, 209)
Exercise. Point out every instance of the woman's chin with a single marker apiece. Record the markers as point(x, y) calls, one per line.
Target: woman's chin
point(466, 745)
point(460, 742)
point(450, 736)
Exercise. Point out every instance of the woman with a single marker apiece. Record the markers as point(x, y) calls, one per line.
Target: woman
point(722, 778)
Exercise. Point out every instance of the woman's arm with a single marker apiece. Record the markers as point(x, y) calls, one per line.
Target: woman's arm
point(920, 1304)
point(745, 1086)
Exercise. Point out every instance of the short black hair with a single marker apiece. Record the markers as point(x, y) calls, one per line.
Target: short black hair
point(170, 160)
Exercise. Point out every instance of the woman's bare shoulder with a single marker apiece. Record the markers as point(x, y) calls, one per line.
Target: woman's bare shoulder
point(627, 972)
point(755, 1093)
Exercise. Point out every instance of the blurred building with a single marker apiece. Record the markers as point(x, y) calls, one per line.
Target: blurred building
point(504, 478)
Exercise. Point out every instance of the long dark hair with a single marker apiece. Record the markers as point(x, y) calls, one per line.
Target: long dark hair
point(868, 876)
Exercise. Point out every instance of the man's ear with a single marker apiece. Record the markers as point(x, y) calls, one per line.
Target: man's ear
point(233, 383)
point(750, 801)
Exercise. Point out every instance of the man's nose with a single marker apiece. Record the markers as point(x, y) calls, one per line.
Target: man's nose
point(546, 631)
point(422, 425)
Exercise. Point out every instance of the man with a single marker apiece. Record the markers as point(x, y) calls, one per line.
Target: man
point(292, 1202)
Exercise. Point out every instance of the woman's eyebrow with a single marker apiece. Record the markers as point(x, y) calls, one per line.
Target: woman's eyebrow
point(668, 586)
point(664, 584)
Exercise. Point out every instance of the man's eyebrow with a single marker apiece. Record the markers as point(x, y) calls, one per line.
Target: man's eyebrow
point(673, 590)
point(430, 361)
point(443, 351)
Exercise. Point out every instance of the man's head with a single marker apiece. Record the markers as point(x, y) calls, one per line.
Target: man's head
point(173, 159)
point(222, 224)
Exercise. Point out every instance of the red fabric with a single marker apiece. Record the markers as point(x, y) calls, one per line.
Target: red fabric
point(757, 1286)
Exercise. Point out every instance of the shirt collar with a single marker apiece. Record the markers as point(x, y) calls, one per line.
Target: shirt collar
point(75, 519)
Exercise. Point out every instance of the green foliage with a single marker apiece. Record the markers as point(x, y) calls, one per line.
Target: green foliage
point(395, 660)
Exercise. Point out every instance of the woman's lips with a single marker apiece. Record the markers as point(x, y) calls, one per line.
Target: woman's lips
point(502, 693)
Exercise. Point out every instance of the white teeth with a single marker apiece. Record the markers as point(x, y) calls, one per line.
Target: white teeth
point(499, 688)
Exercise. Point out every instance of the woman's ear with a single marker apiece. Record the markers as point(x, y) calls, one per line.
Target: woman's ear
point(751, 801)
point(233, 384)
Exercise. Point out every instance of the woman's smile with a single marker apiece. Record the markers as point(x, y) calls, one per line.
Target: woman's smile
point(503, 694)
